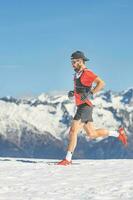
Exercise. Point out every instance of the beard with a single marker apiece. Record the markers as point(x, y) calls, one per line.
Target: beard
point(78, 68)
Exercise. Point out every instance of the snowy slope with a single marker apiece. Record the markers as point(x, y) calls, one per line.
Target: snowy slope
point(39, 127)
point(84, 180)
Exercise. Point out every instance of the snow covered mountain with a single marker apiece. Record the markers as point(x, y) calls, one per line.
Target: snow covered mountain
point(38, 127)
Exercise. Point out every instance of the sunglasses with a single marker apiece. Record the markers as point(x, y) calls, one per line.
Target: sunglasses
point(74, 61)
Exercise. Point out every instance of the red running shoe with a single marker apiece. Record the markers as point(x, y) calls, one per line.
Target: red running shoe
point(122, 137)
point(64, 162)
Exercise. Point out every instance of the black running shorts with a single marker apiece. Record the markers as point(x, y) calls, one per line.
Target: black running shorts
point(84, 113)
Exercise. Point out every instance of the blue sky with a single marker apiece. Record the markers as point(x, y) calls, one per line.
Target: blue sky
point(37, 38)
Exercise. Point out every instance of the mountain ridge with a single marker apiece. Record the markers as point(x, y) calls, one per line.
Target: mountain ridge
point(39, 126)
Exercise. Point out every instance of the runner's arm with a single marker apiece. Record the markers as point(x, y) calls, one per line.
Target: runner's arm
point(99, 85)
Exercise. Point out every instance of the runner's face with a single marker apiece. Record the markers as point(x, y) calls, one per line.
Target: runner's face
point(77, 64)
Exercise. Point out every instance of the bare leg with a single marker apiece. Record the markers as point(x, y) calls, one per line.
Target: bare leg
point(94, 133)
point(77, 125)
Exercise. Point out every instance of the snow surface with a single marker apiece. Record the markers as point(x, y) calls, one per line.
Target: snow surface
point(31, 179)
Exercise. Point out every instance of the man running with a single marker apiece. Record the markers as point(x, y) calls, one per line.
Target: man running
point(83, 90)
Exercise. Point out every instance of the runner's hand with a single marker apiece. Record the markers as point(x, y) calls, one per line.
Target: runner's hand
point(70, 94)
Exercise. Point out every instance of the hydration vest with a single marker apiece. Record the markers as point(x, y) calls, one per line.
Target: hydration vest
point(80, 88)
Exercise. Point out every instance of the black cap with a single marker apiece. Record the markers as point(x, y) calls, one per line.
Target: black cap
point(79, 54)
